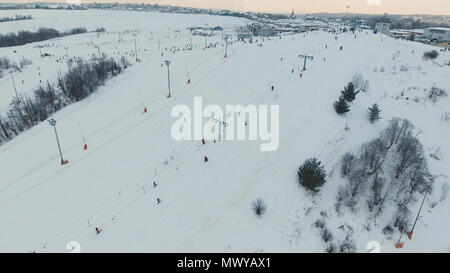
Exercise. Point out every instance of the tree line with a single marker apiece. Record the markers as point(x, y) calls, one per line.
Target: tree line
point(17, 17)
point(42, 34)
point(27, 111)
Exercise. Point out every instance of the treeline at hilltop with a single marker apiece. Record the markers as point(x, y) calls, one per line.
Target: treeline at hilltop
point(42, 34)
point(79, 82)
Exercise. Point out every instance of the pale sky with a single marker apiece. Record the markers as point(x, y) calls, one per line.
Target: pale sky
point(441, 7)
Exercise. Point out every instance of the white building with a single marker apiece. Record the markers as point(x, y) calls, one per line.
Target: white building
point(382, 27)
point(440, 34)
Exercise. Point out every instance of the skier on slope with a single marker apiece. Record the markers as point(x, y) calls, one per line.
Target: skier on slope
point(154, 184)
point(205, 158)
point(98, 230)
point(158, 201)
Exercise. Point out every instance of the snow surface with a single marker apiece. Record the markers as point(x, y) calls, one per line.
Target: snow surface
point(206, 206)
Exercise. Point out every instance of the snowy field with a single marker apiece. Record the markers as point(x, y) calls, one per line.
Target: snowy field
point(207, 206)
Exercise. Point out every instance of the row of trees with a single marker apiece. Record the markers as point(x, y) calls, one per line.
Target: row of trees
point(17, 17)
point(389, 169)
point(80, 81)
point(42, 34)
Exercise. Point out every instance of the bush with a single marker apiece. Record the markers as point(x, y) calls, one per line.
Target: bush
point(326, 235)
point(258, 207)
point(311, 174)
point(435, 93)
point(430, 55)
point(347, 246)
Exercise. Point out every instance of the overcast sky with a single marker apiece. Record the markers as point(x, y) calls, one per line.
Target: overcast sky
point(302, 6)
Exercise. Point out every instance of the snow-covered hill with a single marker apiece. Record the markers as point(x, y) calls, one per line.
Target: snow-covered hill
point(207, 206)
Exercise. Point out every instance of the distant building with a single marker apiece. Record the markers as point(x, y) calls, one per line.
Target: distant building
point(265, 32)
point(244, 35)
point(440, 34)
point(382, 27)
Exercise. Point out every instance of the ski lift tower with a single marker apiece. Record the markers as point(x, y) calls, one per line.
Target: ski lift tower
point(305, 57)
point(222, 126)
point(167, 62)
point(52, 122)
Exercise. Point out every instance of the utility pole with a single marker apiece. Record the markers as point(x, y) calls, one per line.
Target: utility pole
point(417, 217)
point(68, 60)
point(99, 55)
point(52, 122)
point(226, 46)
point(167, 62)
point(135, 47)
point(23, 61)
point(305, 57)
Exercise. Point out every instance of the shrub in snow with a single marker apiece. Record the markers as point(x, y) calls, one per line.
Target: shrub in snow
point(445, 116)
point(319, 223)
point(6, 64)
point(341, 106)
point(331, 248)
point(435, 93)
point(373, 113)
point(258, 207)
point(347, 246)
point(311, 174)
point(326, 235)
point(430, 55)
point(388, 230)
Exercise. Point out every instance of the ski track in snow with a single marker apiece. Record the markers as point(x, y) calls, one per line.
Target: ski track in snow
point(206, 206)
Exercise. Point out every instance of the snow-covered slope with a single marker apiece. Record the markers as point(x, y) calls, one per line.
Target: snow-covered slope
point(206, 206)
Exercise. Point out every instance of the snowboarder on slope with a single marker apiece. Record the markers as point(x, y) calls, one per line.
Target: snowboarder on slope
point(206, 158)
point(158, 201)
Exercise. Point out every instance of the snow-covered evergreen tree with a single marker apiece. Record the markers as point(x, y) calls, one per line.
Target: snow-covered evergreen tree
point(349, 92)
point(373, 113)
point(341, 106)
